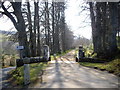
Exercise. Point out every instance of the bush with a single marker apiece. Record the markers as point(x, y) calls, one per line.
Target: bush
point(8, 60)
point(88, 50)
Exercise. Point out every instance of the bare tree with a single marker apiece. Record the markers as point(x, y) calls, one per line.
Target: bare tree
point(19, 23)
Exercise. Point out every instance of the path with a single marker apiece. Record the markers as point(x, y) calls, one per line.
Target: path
point(4, 75)
point(64, 72)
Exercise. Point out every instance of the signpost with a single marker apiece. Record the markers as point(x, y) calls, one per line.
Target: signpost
point(20, 47)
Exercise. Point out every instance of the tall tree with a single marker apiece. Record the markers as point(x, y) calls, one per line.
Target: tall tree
point(19, 24)
point(104, 27)
point(31, 42)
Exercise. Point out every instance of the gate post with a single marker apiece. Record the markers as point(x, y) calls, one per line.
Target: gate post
point(26, 66)
point(80, 54)
point(28, 60)
point(46, 52)
point(26, 74)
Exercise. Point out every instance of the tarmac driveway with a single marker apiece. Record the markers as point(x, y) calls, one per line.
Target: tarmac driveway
point(64, 72)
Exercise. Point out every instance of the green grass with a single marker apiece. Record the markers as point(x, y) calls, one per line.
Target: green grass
point(35, 70)
point(113, 66)
point(60, 54)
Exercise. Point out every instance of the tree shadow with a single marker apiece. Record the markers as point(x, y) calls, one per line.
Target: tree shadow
point(64, 76)
point(58, 76)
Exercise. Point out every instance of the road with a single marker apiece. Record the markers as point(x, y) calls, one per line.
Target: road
point(64, 72)
point(4, 75)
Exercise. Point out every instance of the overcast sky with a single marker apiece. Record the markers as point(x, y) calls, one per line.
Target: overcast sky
point(73, 19)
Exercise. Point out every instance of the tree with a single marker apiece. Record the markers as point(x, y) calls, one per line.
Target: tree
point(19, 23)
point(44, 24)
point(104, 28)
point(31, 42)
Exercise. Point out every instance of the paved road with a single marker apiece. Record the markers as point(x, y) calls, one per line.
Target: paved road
point(66, 73)
point(4, 74)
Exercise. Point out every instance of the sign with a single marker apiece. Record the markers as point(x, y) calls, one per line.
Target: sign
point(20, 47)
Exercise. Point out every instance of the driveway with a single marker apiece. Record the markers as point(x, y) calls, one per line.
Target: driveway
point(64, 72)
point(4, 76)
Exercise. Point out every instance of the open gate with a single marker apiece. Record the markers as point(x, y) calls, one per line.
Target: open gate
point(29, 60)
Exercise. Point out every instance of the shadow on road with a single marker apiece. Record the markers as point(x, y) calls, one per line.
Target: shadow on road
point(57, 76)
point(66, 73)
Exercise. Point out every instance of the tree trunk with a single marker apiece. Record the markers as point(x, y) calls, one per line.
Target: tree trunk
point(53, 29)
point(38, 34)
point(31, 42)
point(113, 28)
point(35, 28)
point(93, 24)
point(22, 36)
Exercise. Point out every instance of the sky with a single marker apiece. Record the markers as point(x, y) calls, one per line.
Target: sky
point(73, 19)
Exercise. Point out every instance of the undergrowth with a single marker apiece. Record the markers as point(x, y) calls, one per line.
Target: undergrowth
point(35, 69)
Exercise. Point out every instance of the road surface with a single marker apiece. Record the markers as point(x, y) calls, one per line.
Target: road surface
point(64, 72)
point(4, 76)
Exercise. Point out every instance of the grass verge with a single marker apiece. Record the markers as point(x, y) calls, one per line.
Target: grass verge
point(35, 70)
point(112, 66)
point(18, 74)
point(60, 54)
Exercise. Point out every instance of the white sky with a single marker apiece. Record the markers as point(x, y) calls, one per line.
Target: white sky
point(73, 19)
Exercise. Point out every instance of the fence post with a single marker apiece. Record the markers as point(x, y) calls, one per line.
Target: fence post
point(26, 74)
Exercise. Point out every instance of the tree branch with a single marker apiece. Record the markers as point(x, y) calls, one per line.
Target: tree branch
point(9, 15)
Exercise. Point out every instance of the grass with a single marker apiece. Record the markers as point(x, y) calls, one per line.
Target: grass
point(35, 70)
point(60, 54)
point(112, 66)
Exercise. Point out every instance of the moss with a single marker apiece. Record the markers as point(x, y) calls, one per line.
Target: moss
point(35, 69)
point(113, 66)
